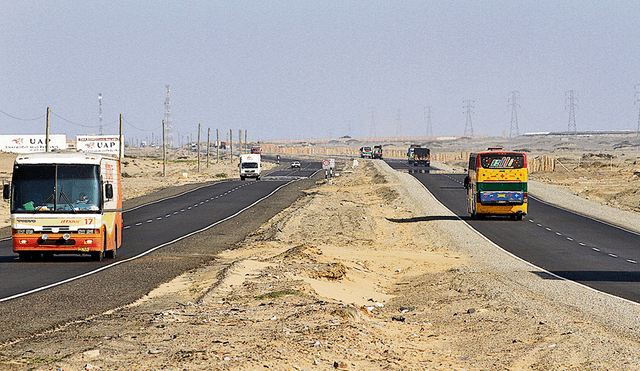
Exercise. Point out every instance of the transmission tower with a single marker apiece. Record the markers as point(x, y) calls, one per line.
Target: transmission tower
point(398, 123)
point(167, 119)
point(572, 99)
point(637, 96)
point(513, 101)
point(427, 114)
point(100, 110)
point(468, 127)
point(372, 128)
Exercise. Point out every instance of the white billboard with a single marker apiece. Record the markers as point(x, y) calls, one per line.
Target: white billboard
point(99, 143)
point(31, 143)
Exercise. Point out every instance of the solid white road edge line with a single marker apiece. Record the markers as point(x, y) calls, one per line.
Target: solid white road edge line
point(524, 261)
point(142, 253)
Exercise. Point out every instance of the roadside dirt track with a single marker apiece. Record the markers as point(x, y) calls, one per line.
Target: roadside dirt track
point(353, 276)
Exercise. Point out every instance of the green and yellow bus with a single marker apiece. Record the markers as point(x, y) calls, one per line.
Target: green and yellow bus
point(497, 184)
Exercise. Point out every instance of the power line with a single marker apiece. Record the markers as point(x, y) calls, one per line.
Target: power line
point(100, 110)
point(513, 101)
point(427, 114)
point(21, 119)
point(372, 128)
point(137, 128)
point(398, 123)
point(572, 110)
point(468, 127)
point(167, 118)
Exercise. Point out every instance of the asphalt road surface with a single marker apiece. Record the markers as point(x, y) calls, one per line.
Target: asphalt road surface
point(182, 228)
point(568, 245)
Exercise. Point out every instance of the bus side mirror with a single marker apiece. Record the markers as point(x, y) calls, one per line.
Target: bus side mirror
point(467, 182)
point(6, 191)
point(108, 190)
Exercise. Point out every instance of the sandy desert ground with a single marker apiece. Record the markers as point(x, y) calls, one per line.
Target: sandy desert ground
point(352, 276)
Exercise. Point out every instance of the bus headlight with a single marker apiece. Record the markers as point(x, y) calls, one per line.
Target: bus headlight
point(25, 231)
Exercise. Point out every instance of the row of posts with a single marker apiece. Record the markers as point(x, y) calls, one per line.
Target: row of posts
point(164, 147)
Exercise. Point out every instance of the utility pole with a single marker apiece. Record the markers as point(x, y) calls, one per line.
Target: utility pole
point(217, 146)
point(208, 145)
point(572, 109)
point(637, 96)
point(167, 117)
point(239, 142)
point(198, 147)
point(372, 128)
point(513, 101)
point(100, 111)
point(427, 114)
point(164, 151)
point(121, 142)
point(245, 141)
point(468, 127)
point(231, 144)
point(46, 139)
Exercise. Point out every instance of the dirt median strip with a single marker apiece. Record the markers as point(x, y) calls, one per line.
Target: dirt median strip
point(337, 282)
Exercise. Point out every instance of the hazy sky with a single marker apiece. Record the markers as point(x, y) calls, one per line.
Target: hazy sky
point(317, 69)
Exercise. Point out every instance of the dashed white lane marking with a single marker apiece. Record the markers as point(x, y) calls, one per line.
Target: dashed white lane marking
point(569, 238)
point(632, 261)
point(558, 233)
point(126, 227)
point(595, 249)
point(138, 223)
point(149, 221)
point(582, 244)
point(613, 255)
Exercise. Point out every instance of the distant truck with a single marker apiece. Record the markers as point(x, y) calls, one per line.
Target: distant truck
point(377, 151)
point(65, 203)
point(250, 166)
point(256, 150)
point(411, 153)
point(421, 156)
point(366, 152)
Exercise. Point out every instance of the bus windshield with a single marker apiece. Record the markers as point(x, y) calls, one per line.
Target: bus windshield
point(55, 188)
point(502, 160)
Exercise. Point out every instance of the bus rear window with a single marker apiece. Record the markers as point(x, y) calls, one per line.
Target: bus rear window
point(502, 160)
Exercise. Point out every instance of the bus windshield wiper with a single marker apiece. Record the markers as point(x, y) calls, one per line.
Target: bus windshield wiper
point(66, 199)
point(44, 203)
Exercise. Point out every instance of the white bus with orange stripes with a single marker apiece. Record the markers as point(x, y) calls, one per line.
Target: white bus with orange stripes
point(65, 203)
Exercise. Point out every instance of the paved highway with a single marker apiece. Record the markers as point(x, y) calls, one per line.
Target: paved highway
point(161, 239)
point(572, 246)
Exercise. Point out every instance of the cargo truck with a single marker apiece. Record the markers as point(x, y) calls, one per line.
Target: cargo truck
point(377, 151)
point(250, 166)
point(421, 156)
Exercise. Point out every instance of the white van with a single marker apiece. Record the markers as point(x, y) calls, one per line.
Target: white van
point(250, 166)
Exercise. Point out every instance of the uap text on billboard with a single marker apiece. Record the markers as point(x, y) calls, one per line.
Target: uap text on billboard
point(31, 143)
point(99, 143)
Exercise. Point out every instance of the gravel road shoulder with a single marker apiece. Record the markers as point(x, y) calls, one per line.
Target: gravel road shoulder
point(360, 273)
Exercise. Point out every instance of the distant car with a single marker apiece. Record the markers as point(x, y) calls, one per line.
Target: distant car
point(295, 164)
